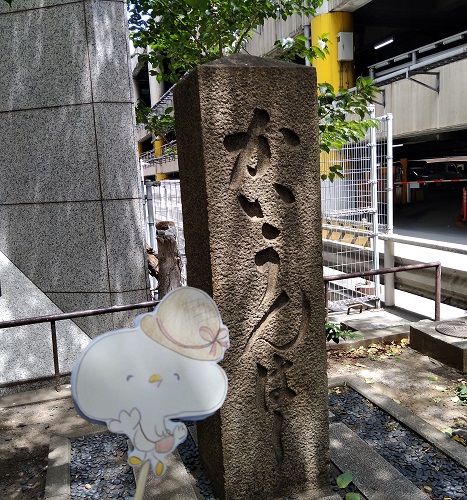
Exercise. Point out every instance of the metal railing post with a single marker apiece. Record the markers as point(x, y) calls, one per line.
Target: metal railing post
point(307, 35)
point(52, 318)
point(53, 329)
point(150, 208)
point(389, 295)
point(438, 293)
point(377, 272)
point(374, 203)
point(326, 298)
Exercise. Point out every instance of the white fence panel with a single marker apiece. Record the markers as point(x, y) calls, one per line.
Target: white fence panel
point(164, 203)
point(355, 209)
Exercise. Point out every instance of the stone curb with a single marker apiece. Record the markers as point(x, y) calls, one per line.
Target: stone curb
point(442, 441)
point(57, 482)
point(35, 396)
point(374, 477)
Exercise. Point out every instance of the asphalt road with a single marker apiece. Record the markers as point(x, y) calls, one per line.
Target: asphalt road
point(437, 217)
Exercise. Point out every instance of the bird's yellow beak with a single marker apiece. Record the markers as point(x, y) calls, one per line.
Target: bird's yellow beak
point(155, 378)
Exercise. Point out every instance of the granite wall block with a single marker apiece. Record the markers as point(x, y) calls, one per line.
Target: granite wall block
point(116, 151)
point(126, 263)
point(68, 147)
point(59, 246)
point(49, 155)
point(107, 31)
point(44, 58)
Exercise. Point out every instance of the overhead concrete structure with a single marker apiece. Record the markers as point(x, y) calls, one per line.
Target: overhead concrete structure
point(70, 202)
point(427, 94)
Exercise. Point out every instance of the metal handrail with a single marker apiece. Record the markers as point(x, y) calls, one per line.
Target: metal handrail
point(53, 318)
point(413, 60)
point(389, 270)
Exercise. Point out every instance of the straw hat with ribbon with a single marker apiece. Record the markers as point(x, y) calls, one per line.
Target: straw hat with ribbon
point(187, 321)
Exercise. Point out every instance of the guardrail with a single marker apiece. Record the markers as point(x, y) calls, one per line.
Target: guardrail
point(389, 270)
point(419, 60)
point(52, 319)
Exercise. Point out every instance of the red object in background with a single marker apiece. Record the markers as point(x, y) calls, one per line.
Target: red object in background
point(464, 205)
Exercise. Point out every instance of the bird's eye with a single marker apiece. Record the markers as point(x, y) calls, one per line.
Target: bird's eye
point(128, 377)
point(177, 375)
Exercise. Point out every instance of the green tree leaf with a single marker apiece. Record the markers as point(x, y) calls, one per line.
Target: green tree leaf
point(352, 496)
point(198, 4)
point(344, 479)
point(182, 34)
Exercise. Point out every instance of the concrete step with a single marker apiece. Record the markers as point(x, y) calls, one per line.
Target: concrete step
point(371, 326)
point(372, 475)
point(449, 350)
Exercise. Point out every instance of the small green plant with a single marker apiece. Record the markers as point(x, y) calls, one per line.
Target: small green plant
point(335, 333)
point(343, 481)
point(162, 126)
point(461, 391)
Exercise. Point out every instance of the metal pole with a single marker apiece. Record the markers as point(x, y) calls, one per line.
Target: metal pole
point(55, 354)
point(389, 295)
point(376, 272)
point(143, 197)
point(307, 34)
point(150, 205)
point(374, 202)
point(390, 176)
point(411, 267)
point(438, 293)
point(326, 298)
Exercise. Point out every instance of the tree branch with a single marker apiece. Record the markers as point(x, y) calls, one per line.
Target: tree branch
point(244, 34)
point(182, 23)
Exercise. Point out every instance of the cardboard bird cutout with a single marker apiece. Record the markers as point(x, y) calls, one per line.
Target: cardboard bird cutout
point(142, 381)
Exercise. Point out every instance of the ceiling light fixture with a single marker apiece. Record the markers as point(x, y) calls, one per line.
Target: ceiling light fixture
point(383, 43)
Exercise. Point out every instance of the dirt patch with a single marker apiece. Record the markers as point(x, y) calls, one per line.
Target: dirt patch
point(25, 433)
point(419, 383)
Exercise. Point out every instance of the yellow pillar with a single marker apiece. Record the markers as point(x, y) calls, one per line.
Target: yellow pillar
point(158, 143)
point(340, 74)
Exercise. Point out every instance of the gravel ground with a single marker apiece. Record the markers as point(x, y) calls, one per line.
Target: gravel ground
point(419, 383)
point(430, 470)
point(99, 470)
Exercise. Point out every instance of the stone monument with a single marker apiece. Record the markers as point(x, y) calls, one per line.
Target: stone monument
point(247, 134)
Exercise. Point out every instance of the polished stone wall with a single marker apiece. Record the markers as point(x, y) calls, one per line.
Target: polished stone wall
point(70, 200)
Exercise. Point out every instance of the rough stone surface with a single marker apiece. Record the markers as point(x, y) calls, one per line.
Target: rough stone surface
point(249, 168)
point(70, 198)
